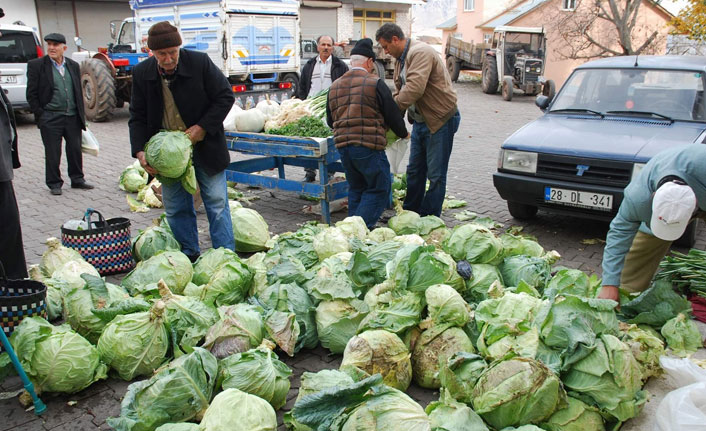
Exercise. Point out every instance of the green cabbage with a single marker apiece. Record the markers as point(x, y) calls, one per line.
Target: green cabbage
point(189, 319)
point(312, 383)
point(71, 272)
point(367, 266)
point(434, 346)
point(184, 426)
point(447, 414)
point(646, 346)
point(534, 271)
point(331, 281)
point(388, 410)
point(239, 329)
point(229, 284)
point(55, 256)
point(568, 282)
point(682, 335)
point(292, 298)
point(474, 243)
point(514, 245)
point(250, 230)
point(353, 227)
point(382, 352)
point(330, 241)
point(396, 315)
point(482, 277)
point(170, 154)
point(446, 306)
point(257, 372)
point(136, 344)
point(151, 241)
point(55, 358)
point(96, 294)
point(517, 391)
point(179, 392)
point(610, 377)
point(234, 410)
point(404, 222)
point(578, 416)
point(209, 262)
point(655, 305)
point(174, 267)
point(337, 322)
point(415, 268)
point(381, 234)
point(459, 373)
point(298, 245)
point(132, 180)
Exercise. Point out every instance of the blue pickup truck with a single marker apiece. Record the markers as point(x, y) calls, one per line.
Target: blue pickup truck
point(609, 118)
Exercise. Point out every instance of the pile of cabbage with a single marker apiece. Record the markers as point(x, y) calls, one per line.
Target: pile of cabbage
point(133, 179)
point(508, 338)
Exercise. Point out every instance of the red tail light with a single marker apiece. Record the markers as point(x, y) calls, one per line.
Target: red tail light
point(285, 85)
point(238, 88)
point(103, 50)
point(40, 51)
point(121, 62)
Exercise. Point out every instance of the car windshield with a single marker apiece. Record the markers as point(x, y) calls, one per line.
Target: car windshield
point(678, 95)
point(17, 46)
point(530, 44)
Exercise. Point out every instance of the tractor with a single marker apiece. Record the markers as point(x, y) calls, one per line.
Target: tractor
point(516, 59)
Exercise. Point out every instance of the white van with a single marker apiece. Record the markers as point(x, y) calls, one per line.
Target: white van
point(18, 45)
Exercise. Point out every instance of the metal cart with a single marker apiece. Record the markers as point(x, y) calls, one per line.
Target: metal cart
point(278, 151)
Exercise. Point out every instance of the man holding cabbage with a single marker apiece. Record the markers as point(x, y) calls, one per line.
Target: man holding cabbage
point(182, 90)
point(360, 109)
point(657, 207)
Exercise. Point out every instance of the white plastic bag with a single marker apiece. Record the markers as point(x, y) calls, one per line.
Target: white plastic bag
point(395, 154)
point(229, 121)
point(89, 143)
point(683, 409)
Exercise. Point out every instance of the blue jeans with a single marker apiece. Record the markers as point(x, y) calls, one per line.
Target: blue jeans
point(368, 176)
point(429, 156)
point(179, 207)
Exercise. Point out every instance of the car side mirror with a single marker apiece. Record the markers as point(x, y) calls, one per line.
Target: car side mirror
point(542, 102)
point(77, 41)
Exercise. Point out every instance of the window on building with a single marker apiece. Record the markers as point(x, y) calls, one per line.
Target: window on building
point(469, 5)
point(568, 4)
point(487, 37)
point(367, 21)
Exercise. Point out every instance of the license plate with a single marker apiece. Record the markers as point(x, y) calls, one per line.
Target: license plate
point(261, 87)
point(578, 198)
point(10, 79)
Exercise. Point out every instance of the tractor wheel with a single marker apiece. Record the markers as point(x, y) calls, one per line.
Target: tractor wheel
point(549, 89)
point(489, 81)
point(521, 211)
point(379, 69)
point(98, 88)
point(294, 79)
point(508, 86)
point(454, 68)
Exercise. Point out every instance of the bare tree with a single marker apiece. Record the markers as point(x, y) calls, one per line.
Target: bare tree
point(604, 28)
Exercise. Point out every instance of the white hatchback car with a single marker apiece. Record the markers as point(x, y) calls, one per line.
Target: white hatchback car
point(18, 45)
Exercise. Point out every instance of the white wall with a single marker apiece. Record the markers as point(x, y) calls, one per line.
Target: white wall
point(22, 10)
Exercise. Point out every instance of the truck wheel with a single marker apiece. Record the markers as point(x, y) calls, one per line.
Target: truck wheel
point(380, 69)
point(454, 68)
point(508, 86)
point(489, 81)
point(294, 79)
point(521, 211)
point(98, 88)
point(549, 89)
point(688, 238)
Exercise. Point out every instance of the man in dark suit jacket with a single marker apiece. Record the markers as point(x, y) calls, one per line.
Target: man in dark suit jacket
point(180, 89)
point(54, 95)
point(12, 254)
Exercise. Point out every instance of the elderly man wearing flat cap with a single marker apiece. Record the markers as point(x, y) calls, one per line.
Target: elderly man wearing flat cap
point(180, 89)
point(54, 95)
point(360, 110)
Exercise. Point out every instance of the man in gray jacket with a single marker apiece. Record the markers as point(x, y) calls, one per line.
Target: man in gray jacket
point(657, 207)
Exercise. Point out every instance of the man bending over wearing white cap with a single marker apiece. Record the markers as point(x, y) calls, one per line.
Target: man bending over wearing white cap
point(656, 209)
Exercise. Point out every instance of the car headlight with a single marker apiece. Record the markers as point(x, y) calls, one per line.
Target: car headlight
point(528, 69)
point(636, 169)
point(521, 161)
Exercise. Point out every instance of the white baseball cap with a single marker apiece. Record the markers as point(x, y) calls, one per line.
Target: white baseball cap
point(672, 208)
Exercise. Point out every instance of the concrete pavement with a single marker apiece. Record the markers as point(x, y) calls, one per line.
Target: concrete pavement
point(486, 122)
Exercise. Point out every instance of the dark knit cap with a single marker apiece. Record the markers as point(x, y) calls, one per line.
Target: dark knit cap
point(55, 37)
point(163, 35)
point(364, 47)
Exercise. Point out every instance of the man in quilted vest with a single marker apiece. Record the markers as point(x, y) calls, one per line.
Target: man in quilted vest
point(360, 109)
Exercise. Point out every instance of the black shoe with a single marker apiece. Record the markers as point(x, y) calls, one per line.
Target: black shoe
point(56, 191)
point(84, 186)
point(310, 177)
point(193, 257)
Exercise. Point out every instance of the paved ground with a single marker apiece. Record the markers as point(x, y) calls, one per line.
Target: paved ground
point(486, 122)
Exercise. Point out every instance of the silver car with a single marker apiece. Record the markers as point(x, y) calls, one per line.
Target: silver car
point(18, 45)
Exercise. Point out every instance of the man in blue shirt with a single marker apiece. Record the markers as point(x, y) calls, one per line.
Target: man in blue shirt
point(656, 210)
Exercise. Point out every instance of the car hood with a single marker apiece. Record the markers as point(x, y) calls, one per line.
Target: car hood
point(616, 138)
